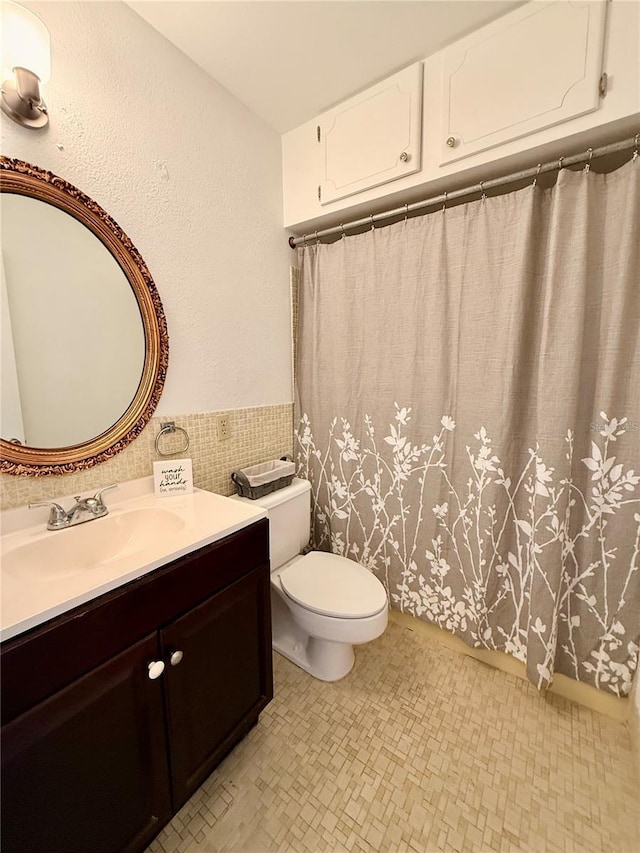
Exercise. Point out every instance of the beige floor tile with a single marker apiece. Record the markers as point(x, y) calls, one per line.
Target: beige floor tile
point(419, 749)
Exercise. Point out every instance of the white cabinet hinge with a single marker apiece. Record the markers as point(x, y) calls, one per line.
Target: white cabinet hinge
point(604, 84)
point(318, 133)
point(319, 192)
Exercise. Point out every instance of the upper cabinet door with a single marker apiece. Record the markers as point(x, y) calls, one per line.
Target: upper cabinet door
point(372, 138)
point(536, 67)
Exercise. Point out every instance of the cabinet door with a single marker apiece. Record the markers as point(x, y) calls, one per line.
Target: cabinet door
point(86, 770)
point(373, 137)
point(219, 680)
point(536, 67)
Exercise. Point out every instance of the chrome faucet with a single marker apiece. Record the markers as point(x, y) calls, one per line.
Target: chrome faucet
point(85, 509)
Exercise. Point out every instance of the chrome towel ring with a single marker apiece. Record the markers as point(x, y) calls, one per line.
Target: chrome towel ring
point(170, 427)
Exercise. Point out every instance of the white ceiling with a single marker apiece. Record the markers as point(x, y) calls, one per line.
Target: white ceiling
point(289, 60)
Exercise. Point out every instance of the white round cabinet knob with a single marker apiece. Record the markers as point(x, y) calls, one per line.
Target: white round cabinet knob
point(176, 657)
point(156, 668)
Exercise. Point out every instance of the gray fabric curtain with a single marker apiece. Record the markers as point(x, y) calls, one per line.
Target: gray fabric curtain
point(468, 413)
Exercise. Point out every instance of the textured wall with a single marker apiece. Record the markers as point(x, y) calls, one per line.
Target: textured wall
point(194, 178)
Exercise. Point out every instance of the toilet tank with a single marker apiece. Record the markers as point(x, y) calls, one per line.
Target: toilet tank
point(289, 521)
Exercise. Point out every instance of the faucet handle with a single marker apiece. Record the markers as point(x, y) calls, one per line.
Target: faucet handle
point(98, 495)
point(57, 516)
point(86, 503)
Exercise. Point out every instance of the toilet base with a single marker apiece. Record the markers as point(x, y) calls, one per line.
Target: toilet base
point(295, 633)
point(324, 659)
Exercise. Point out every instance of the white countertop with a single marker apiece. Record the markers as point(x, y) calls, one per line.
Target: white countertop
point(45, 573)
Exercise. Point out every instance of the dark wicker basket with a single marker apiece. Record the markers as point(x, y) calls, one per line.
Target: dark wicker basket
point(246, 489)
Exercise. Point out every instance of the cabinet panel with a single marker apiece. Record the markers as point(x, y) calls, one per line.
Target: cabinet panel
point(86, 770)
point(537, 67)
point(373, 137)
point(215, 692)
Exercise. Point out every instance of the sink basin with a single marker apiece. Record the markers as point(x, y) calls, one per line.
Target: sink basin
point(65, 553)
point(46, 573)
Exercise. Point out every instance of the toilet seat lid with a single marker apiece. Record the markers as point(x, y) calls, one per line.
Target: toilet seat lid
point(333, 586)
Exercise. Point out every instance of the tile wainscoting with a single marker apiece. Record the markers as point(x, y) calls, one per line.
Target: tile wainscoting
point(256, 435)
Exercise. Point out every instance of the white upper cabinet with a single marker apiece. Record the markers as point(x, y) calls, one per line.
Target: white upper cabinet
point(372, 138)
point(534, 68)
point(524, 89)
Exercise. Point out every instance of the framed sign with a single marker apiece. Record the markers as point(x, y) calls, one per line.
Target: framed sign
point(173, 477)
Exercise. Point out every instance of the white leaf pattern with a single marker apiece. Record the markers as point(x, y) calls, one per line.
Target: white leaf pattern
point(527, 560)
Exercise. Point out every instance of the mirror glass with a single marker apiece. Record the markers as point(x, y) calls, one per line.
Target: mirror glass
point(72, 337)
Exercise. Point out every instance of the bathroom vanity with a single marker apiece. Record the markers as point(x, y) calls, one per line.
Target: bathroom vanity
point(116, 710)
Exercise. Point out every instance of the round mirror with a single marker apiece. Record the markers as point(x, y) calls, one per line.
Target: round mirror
point(84, 340)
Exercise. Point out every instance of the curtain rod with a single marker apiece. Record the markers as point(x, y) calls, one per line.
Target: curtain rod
point(480, 187)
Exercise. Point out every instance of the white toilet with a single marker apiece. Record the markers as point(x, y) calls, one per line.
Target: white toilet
point(322, 604)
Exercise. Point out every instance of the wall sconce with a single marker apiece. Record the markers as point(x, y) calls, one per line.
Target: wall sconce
point(24, 56)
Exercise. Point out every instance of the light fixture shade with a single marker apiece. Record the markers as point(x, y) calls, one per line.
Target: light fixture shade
point(24, 42)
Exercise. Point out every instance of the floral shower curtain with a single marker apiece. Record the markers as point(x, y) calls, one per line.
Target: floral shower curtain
point(468, 413)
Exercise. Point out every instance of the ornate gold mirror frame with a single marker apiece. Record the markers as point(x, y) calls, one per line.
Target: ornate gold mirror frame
point(16, 176)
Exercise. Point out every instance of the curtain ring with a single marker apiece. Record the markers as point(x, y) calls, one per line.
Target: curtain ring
point(483, 196)
point(588, 163)
point(444, 203)
point(343, 231)
point(373, 227)
point(316, 236)
point(304, 241)
point(560, 159)
point(635, 147)
point(535, 180)
point(406, 213)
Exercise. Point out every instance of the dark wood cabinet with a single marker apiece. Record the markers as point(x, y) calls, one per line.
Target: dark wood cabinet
point(93, 755)
point(107, 755)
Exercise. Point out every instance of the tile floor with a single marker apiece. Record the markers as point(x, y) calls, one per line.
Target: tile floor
point(418, 749)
